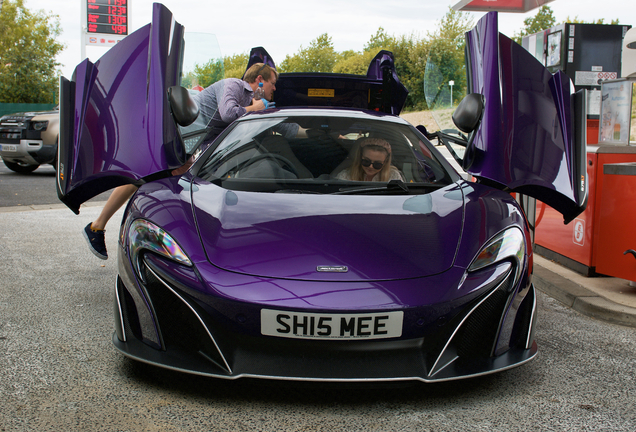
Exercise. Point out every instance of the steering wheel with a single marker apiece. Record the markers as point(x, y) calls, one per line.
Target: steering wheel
point(283, 162)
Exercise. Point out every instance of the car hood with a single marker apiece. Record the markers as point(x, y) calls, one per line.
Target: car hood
point(30, 115)
point(339, 237)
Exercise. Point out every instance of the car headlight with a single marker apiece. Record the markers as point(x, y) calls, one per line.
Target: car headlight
point(509, 244)
point(143, 234)
point(40, 125)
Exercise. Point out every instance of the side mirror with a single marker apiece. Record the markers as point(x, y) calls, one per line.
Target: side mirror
point(424, 132)
point(184, 109)
point(469, 112)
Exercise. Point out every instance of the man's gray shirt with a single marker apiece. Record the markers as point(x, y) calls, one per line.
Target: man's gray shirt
point(223, 102)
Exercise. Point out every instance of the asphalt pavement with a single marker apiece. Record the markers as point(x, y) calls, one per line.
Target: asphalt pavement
point(605, 298)
point(37, 187)
point(60, 371)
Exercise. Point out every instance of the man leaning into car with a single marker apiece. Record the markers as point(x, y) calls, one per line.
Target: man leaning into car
point(226, 100)
point(219, 105)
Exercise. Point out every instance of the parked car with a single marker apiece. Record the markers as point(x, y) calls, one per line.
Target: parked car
point(28, 140)
point(264, 261)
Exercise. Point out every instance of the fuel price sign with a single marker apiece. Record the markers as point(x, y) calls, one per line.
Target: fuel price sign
point(107, 16)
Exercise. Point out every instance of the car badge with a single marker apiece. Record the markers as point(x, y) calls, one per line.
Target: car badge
point(332, 269)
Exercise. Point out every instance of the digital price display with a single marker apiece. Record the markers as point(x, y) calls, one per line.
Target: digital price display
point(107, 16)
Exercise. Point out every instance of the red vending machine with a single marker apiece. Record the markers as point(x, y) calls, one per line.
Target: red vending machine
point(579, 244)
point(616, 249)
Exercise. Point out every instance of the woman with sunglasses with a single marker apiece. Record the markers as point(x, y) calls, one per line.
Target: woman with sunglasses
point(372, 162)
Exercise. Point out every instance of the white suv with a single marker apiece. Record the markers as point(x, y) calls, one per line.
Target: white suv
point(28, 140)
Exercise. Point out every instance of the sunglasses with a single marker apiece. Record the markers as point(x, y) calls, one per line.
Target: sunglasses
point(261, 69)
point(367, 163)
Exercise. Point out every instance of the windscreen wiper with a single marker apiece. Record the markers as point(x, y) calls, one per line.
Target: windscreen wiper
point(297, 191)
point(395, 185)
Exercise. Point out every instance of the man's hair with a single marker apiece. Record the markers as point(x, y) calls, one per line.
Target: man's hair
point(259, 69)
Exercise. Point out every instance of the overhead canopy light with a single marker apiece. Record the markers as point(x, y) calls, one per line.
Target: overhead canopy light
point(520, 6)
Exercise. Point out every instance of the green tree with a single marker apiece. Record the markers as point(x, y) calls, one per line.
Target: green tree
point(235, 65)
point(410, 62)
point(379, 41)
point(409, 52)
point(320, 56)
point(353, 62)
point(357, 63)
point(187, 80)
point(28, 47)
point(446, 59)
point(576, 20)
point(544, 19)
point(209, 73)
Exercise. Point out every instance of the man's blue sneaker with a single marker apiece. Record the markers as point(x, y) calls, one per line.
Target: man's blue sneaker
point(95, 239)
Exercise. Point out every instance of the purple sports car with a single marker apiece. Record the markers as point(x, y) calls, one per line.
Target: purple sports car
point(271, 258)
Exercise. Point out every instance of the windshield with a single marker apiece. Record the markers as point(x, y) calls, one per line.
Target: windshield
point(325, 154)
point(444, 87)
point(202, 66)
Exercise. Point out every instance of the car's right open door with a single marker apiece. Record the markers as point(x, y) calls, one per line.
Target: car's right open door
point(529, 139)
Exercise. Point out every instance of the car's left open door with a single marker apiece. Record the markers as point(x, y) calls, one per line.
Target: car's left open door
point(115, 121)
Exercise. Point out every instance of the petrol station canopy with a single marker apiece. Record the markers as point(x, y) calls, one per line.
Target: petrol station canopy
point(520, 6)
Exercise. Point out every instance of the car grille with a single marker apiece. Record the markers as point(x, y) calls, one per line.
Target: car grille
point(191, 334)
point(13, 129)
point(475, 337)
point(478, 334)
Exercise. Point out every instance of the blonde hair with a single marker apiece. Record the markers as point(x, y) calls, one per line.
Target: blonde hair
point(259, 69)
point(378, 144)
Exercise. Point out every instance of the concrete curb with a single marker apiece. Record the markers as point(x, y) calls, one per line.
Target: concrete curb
point(37, 207)
point(582, 299)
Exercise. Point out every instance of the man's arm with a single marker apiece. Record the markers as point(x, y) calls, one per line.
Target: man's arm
point(236, 101)
point(257, 105)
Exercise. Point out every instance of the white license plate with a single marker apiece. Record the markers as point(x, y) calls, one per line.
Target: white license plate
point(9, 148)
point(376, 325)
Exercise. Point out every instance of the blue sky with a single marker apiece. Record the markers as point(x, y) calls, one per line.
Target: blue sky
point(283, 26)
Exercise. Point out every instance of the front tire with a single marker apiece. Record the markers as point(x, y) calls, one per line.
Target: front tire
point(20, 168)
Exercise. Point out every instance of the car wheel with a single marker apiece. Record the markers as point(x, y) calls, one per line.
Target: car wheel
point(20, 168)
